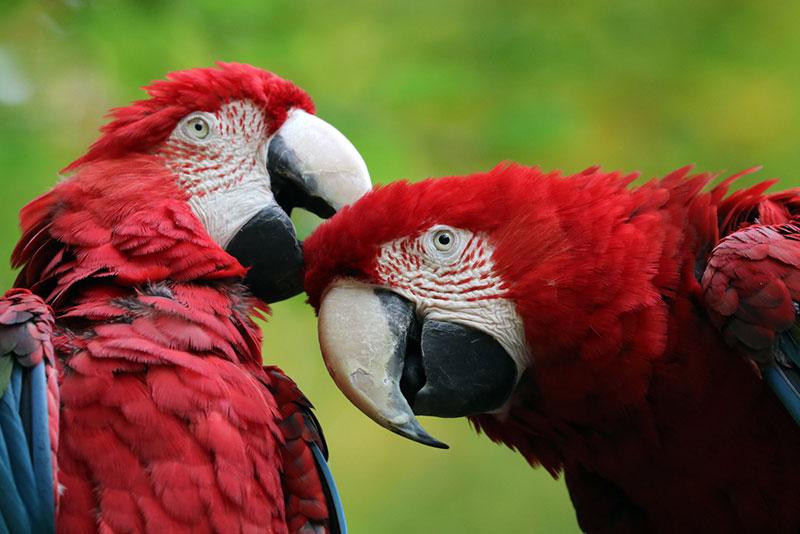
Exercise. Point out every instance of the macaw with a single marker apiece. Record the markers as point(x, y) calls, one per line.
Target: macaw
point(641, 340)
point(134, 397)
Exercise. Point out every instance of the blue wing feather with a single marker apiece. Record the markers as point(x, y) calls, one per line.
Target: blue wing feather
point(334, 500)
point(785, 386)
point(40, 438)
point(26, 483)
point(3, 526)
point(783, 373)
point(12, 470)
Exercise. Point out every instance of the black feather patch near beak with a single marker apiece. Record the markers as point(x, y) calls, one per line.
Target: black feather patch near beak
point(311, 165)
point(268, 246)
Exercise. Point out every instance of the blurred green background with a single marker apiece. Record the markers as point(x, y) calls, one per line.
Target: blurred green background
point(424, 89)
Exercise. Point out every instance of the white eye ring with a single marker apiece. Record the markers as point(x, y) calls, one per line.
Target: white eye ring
point(197, 127)
point(444, 240)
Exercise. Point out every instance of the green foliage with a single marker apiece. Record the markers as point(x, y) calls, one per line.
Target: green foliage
point(6, 366)
point(424, 89)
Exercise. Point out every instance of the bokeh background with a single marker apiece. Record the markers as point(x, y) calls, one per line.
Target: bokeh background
point(424, 88)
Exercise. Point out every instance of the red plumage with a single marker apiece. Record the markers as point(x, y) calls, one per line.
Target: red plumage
point(145, 124)
point(632, 392)
point(169, 422)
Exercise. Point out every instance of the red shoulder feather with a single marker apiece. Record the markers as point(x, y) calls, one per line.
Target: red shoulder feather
point(122, 220)
point(306, 502)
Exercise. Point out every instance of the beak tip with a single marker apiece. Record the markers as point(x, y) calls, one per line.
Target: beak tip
point(414, 431)
point(362, 354)
point(438, 444)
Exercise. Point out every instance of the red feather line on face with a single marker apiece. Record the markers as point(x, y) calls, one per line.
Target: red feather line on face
point(143, 125)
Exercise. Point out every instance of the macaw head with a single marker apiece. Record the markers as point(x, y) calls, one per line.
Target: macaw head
point(440, 297)
point(243, 148)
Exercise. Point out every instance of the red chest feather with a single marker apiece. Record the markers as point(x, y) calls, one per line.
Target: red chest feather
point(166, 420)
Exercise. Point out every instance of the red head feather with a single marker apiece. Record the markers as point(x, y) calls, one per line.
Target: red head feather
point(141, 126)
point(508, 199)
point(577, 255)
point(123, 214)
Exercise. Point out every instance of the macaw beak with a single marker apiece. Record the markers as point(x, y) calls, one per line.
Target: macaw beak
point(393, 366)
point(311, 166)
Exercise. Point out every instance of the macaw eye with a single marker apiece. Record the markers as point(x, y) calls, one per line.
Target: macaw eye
point(443, 240)
point(197, 127)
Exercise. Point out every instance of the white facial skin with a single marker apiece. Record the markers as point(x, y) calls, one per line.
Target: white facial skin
point(449, 274)
point(220, 161)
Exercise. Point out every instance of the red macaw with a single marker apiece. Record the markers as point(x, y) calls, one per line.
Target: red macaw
point(625, 336)
point(130, 367)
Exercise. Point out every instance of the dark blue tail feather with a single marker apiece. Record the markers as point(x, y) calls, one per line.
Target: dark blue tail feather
point(338, 525)
point(26, 482)
point(785, 382)
point(39, 436)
